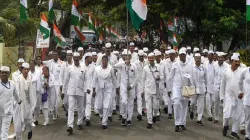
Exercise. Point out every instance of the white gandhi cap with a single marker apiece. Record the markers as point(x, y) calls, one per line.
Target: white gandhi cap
point(235, 57)
point(108, 45)
point(5, 68)
point(26, 65)
point(20, 60)
point(69, 52)
point(140, 52)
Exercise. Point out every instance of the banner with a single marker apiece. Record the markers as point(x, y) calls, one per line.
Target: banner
point(40, 41)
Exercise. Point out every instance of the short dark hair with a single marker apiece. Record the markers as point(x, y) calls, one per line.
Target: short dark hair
point(38, 56)
point(46, 67)
point(55, 51)
point(105, 56)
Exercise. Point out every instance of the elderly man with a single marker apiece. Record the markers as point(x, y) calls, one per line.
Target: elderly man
point(76, 79)
point(8, 92)
point(178, 78)
point(229, 91)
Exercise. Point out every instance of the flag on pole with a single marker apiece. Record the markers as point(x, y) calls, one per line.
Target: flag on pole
point(23, 11)
point(51, 12)
point(106, 31)
point(44, 27)
point(248, 10)
point(58, 36)
point(100, 38)
point(75, 17)
point(138, 12)
point(91, 25)
point(79, 37)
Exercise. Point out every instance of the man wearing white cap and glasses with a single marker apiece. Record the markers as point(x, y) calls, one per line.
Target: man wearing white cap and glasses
point(94, 58)
point(77, 84)
point(134, 55)
point(178, 78)
point(229, 91)
point(139, 87)
point(24, 88)
point(8, 92)
point(18, 72)
point(219, 69)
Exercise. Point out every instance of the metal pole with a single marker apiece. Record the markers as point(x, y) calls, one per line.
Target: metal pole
point(246, 33)
point(127, 48)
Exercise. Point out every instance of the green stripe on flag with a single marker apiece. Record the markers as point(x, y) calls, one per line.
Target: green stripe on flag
point(248, 13)
point(45, 31)
point(136, 20)
point(23, 14)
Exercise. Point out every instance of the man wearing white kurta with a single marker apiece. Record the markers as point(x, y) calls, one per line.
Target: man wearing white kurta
point(210, 96)
point(128, 74)
point(75, 82)
point(134, 55)
point(219, 69)
point(55, 66)
point(139, 88)
point(229, 91)
point(150, 82)
point(178, 78)
point(8, 94)
point(245, 94)
point(199, 80)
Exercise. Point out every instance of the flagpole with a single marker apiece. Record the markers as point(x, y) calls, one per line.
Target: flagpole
point(246, 33)
point(127, 48)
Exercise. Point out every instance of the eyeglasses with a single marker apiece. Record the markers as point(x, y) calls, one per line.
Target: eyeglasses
point(4, 72)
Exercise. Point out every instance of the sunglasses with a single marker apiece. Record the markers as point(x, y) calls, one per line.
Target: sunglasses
point(4, 72)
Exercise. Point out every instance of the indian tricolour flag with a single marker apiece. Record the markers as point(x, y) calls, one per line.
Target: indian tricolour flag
point(79, 36)
point(175, 43)
point(51, 12)
point(58, 36)
point(248, 10)
point(138, 12)
point(91, 25)
point(44, 27)
point(75, 16)
point(23, 10)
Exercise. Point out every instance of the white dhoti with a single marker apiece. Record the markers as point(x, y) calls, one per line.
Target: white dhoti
point(180, 111)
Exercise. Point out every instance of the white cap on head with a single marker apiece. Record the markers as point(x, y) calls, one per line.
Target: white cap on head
point(88, 54)
point(188, 48)
point(197, 54)
point(50, 52)
point(236, 53)
point(145, 49)
point(151, 54)
point(115, 52)
point(76, 54)
point(196, 49)
point(5, 68)
point(114, 45)
point(26, 65)
point(80, 49)
point(167, 52)
point(131, 44)
point(182, 51)
point(108, 45)
point(235, 57)
point(127, 53)
point(94, 53)
point(210, 52)
point(157, 53)
point(20, 60)
point(171, 51)
point(169, 48)
point(155, 50)
point(220, 53)
point(205, 51)
point(136, 48)
point(145, 54)
point(69, 52)
point(140, 53)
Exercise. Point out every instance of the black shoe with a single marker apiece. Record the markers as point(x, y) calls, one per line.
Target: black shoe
point(96, 114)
point(104, 126)
point(120, 117)
point(210, 119)
point(166, 110)
point(80, 127)
point(101, 118)
point(183, 127)
point(243, 132)
point(158, 118)
point(117, 107)
point(224, 132)
point(149, 126)
point(87, 122)
point(139, 117)
point(177, 128)
point(29, 135)
point(235, 135)
point(154, 119)
point(110, 119)
point(70, 130)
point(129, 123)
point(123, 122)
point(143, 113)
point(247, 139)
point(216, 121)
point(170, 116)
point(36, 122)
point(191, 115)
point(114, 112)
point(200, 123)
point(66, 114)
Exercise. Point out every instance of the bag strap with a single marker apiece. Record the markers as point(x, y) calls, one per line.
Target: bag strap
point(179, 65)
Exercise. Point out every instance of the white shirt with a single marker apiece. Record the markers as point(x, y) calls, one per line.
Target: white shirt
point(134, 57)
point(210, 68)
point(55, 68)
point(140, 65)
point(219, 70)
point(244, 87)
point(64, 67)
point(199, 79)
point(15, 75)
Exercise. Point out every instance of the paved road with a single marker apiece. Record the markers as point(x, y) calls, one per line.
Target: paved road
point(162, 130)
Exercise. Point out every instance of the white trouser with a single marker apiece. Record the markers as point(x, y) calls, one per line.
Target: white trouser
point(139, 92)
point(164, 96)
point(5, 125)
point(180, 111)
point(127, 103)
point(17, 120)
point(170, 104)
point(88, 105)
point(80, 109)
point(37, 107)
point(58, 99)
point(216, 105)
point(199, 99)
point(210, 99)
point(235, 125)
point(66, 101)
point(104, 103)
point(113, 102)
point(152, 106)
point(247, 120)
